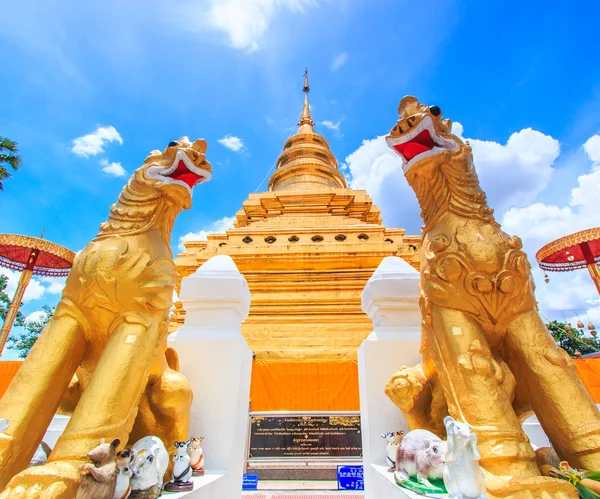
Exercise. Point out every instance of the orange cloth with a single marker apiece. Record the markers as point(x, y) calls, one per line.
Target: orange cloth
point(589, 372)
point(8, 369)
point(304, 386)
point(316, 386)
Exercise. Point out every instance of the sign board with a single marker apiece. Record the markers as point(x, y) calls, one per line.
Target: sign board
point(250, 482)
point(305, 436)
point(350, 478)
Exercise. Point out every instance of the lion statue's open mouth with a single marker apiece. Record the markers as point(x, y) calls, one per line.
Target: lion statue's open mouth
point(188, 168)
point(420, 133)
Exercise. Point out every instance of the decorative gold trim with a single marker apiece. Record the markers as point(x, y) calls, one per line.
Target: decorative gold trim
point(566, 242)
point(39, 244)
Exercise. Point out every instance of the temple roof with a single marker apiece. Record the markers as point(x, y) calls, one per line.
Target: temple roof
point(306, 162)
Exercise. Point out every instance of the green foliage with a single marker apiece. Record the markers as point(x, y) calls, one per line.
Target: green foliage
point(32, 329)
point(24, 342)
point(5, 302)
point(9, 159)
point(572, 339)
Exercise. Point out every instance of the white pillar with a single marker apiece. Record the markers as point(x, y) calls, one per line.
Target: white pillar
point(216, 359)
point(390, 299)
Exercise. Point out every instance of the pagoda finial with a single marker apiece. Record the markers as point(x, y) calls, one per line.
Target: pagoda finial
point(305, 117)
point(306, 85)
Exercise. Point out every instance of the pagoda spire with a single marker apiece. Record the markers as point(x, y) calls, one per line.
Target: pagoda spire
point(305, 117)
point(306, 162)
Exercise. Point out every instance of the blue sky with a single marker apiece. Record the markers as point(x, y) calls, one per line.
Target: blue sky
point(157, 70)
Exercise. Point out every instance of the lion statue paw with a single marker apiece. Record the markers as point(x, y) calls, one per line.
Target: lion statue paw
point(58, 480)
point(406, 387)
point(536, 487)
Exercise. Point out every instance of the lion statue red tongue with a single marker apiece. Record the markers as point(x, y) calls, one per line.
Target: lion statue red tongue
point(183, 174)
point(421, 143)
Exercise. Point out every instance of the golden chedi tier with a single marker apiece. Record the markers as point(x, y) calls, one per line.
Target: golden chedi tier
point(307, 248)
point(306, 260)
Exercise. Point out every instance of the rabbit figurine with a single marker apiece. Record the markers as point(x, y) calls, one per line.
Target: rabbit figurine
point(463, 477)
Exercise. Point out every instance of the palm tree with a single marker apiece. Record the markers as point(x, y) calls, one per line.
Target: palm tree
point(9, 157)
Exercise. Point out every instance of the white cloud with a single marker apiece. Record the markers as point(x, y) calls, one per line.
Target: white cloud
point(513, 175)
point(592, 148)
point(115, 169)
point(35, 316)
point(567, 297)
point(232, 142)
point(572, 293)
point(339, 61)
point(544, 222)
point(246, 22)
point(38, 287)
point(589, 184)
point(378, 170)
point(93, 143)
point(332, 125)
point(219, 226)
point(54, 285)
point(35, 290)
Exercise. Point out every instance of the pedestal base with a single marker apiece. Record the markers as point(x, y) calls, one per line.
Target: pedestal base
point(179, 486)
point(383, 486)
point(198, 472)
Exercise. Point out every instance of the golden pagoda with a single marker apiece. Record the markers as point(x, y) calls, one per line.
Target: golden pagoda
point(307, 247)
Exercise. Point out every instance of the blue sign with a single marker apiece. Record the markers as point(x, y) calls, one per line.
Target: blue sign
point(350, 478)
point(250, 482)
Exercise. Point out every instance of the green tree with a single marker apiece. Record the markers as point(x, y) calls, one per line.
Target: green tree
point(5, 302)
point(573, 339)
point(24, 342)
point(9, 159)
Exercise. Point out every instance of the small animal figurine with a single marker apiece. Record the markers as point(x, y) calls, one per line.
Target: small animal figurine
point(145, 478)
point(41, 455)
point(124, 474)
point(99, 479)
point(463, 477)
point(420, 454)
point(3, 424)
point(196, 456)
point(393, 439)
point(159, 452)
point(546, 455)
point(182, 470)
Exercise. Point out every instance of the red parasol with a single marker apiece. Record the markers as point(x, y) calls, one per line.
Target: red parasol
point(575, 251)
point(31, 256)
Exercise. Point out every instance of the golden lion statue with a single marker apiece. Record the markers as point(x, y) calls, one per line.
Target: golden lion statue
point(110, 327)
point(488, 358)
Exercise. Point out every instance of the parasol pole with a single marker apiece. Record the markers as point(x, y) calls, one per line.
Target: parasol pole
point(592, 266)
point(13, 308)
